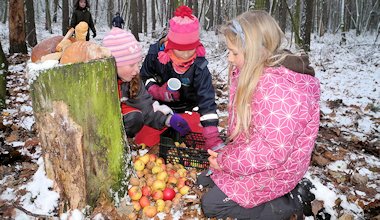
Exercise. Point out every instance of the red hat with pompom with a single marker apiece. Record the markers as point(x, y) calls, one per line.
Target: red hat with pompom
point(184, 30)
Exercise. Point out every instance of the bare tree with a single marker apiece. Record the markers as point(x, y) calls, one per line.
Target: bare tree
point(55, 12)
point(110, 13)
point(306, 23)
point(30, 27)
point(5, 11)
point(48, 17)
point(133, 24)
point(65, 16)
point(17, 42)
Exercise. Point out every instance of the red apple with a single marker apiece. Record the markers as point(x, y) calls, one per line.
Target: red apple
point(157, 194)
point(150, 211)
point(144, 201)
point(146, 191)
point(168, 194)
point(136, 205)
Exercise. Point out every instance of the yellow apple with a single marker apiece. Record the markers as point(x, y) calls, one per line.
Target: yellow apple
point(150, 211)
point(145, 158)
point(158, 185)
point(156, 169)
point(162, 176)
point(135, 193)
point(184, 190)
point(139, 165)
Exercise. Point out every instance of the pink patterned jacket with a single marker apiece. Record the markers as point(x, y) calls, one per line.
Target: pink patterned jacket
point(275, 157)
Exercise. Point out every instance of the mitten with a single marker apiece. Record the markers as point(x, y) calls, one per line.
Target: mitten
point(212, 141)
point(162, 108)
point(179, 124)
point(163, 93)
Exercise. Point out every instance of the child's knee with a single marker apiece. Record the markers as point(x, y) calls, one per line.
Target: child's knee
point(133, 122)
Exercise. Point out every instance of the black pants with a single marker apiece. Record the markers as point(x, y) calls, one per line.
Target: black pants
point(215, 205)
point(133, 122)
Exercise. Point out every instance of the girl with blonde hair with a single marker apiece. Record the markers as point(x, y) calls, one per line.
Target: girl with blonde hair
point(272, 129)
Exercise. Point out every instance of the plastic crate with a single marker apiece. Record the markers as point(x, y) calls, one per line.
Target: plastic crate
point(192, 155)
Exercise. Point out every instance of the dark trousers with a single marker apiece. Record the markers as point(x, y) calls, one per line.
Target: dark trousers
point(215, 204)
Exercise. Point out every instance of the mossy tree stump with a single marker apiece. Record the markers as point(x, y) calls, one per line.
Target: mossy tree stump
point(79, 121)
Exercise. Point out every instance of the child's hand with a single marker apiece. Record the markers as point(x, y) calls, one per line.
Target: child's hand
point(163, 93)
point(212, 160)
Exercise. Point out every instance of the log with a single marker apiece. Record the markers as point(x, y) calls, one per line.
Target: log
point(78, 117)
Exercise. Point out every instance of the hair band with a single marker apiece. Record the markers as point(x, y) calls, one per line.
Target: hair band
point(238, 30)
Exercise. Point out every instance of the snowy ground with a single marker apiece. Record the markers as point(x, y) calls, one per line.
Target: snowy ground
point(346, 176)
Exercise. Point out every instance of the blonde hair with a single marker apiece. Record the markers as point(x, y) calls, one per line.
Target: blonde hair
point(261, 49)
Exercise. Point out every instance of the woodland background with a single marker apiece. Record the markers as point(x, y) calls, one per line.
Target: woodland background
point(340, 36)
point(300, 17)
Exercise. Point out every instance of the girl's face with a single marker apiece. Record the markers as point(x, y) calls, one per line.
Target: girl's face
point(235, 56)
point(82, 3)
point(184, 54)
point(128, 72)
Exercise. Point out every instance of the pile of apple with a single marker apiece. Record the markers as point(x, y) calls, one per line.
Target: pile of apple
point(158, 186)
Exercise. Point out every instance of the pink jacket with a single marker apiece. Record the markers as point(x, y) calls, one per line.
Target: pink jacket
point(273, 160)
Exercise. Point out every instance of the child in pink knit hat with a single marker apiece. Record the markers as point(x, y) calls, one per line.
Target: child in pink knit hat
point(181, 56)
point(137, 106)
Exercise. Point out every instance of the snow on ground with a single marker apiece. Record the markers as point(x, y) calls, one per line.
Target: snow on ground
point(349, 75)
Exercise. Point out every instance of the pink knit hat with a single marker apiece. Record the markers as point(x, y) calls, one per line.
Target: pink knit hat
point(123, 46)
point(184, 30)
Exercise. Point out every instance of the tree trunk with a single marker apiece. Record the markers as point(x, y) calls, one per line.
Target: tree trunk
point(282, 15)
point(4, 20)
point(3, 75)
point(55, 11)
point(133, 23)
point(145, 17)
point(110, 13)
point(48, 17)
point(30, 27)
point(153, 14)
point(17, 42)
point(78, 117)
point(65, 16)
point(306, 22)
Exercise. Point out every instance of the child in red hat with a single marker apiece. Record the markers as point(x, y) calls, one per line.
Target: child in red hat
point(180, 55)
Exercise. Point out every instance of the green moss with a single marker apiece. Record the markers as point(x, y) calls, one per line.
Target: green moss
point(90, 91)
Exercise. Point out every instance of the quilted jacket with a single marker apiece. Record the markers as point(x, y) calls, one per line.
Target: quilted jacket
point(270, 162)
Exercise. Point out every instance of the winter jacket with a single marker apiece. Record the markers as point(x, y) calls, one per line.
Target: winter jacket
point(117, 22)
point(196, 89)
point(80, 15)
point(276, 155)
point(143, 102)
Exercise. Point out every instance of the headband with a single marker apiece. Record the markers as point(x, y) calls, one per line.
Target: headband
point(238, 30)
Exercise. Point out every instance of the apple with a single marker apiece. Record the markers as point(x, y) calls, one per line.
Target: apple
point(168, 194)
point(163, 166)
point(160, 161)
point(182, 172)
point(157, 194)
point(144, 201)
point(172, 179)
point(184, 190)
point(135, 193)
point(156, 169)
point(158, 185)
point(181, 182)
point(146, 191)
point(150, 211)
point(162, 176)
point(136, 205)
point(139, 165)
point(152, 158)
point(145, 158)
point(160, 204)
point(171, 172)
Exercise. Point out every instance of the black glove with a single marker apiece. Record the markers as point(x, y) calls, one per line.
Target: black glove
point(93, 35)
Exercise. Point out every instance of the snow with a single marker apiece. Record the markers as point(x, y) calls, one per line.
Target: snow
point(349, 74)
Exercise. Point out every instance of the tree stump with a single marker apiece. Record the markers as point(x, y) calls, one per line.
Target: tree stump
point(78, 117)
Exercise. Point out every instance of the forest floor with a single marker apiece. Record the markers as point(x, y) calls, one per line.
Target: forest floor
point(356, 193)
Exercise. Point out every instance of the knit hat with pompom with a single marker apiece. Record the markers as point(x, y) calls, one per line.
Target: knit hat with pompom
point(123, 46)
point(183, 34)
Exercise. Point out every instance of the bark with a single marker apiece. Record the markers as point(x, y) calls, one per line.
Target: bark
point(55, 11)
point(48, 17)
point(30, 26)
point(17, 42)
point(3, 75)
point(133, 23)
point(307, 23)
point(81, 130)
point(65, 16)
point(153, 15)
point(110, 13)
point(282, 15)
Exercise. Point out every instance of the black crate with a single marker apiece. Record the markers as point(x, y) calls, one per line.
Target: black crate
point(192, 155)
